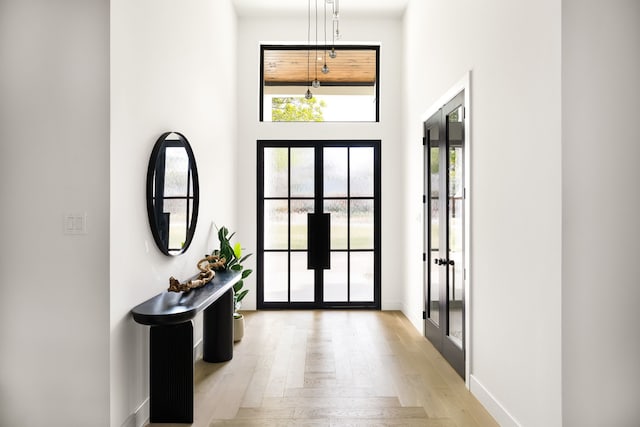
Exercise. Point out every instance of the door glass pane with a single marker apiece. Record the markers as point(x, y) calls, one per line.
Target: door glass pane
point(302, 279)
point(361, 171)
point(335, 280)
point(276, 224)
point(335, 171)
point(338, 211)
point(276, 171)
point(361, 224)
point(299, 211)
point(361, 273)
point(434, 224)
point(455, 228)
point(302, 171)
point(275, 276)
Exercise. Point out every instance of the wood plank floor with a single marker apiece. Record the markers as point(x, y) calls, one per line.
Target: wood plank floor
point(333, 368)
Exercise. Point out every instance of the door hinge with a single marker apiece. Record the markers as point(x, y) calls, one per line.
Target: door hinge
point(464, 193)
point(424, 315)
point(424, 140)
point(464, 112)
point(424, 257)
point(424, 199)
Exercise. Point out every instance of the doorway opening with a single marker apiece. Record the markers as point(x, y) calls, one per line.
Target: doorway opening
point(446, 231)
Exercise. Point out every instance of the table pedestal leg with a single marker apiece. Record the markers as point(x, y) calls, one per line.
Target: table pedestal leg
point(218, 329)
point(171, 373)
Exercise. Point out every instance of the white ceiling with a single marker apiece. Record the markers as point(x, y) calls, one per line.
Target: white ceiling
point(297, 7)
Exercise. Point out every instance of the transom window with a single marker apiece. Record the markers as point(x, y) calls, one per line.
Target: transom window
point(348, 89)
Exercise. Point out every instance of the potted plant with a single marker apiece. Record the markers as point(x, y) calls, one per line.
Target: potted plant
point(234, 260)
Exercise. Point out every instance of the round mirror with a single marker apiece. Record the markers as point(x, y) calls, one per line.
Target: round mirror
point(172, 193)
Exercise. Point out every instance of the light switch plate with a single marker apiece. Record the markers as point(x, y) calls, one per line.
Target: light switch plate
point(75, 223)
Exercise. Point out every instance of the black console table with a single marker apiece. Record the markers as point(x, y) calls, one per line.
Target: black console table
point(170, 316)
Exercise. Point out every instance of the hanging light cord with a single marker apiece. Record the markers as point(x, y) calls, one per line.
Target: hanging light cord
point(308, 38)
point(332, 54)
point(325, 33)
point(315, 62)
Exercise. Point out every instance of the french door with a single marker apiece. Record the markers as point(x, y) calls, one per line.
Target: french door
point(444, 145)
point(318, 224)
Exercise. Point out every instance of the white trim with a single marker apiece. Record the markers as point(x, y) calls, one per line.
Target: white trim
point(492, 405)
point(140, 417)
point(468, 147)
point(130, 421)
point(198, 350)
point(464, 84)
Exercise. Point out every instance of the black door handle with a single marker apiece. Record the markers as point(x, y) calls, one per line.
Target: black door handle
point(319, 241)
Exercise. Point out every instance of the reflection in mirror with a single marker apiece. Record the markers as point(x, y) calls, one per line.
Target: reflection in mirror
point(172, 193)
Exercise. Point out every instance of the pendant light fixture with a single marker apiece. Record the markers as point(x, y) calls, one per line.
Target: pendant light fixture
point(335, 35)
point(308, 94)
point(325, 69)
point(333, 54)
point(316, 82)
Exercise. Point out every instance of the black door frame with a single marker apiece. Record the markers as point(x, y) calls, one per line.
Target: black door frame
point(318, 275)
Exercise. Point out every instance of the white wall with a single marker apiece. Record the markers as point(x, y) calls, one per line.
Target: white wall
point(387, 31)
point(172, 68)
point(54, 159)
point(601, 200)
point(513, 52)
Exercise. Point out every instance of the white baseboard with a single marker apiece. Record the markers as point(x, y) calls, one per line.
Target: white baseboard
point(391, 306)
point(416, 320)
point(140, 417)
point(130, 421)
point(197, 350)
point(491, 404)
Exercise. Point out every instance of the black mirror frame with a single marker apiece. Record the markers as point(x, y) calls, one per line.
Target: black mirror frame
point(153, 222)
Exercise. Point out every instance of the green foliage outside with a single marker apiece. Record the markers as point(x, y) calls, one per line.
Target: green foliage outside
point(297, 109)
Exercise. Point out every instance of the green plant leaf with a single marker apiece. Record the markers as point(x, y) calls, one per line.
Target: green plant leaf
point(241, 295)
point(222, 234)
point(245, 257)
point(237, 286)
point(234, 260)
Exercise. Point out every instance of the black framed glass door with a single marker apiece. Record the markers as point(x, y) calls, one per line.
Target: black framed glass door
point(444, 227)
point(318, 224)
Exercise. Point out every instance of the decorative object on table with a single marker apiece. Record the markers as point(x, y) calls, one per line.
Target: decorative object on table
point(207, 267)
point(232, 254)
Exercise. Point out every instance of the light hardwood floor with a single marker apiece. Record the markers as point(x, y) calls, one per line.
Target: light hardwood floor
point(333, 368)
